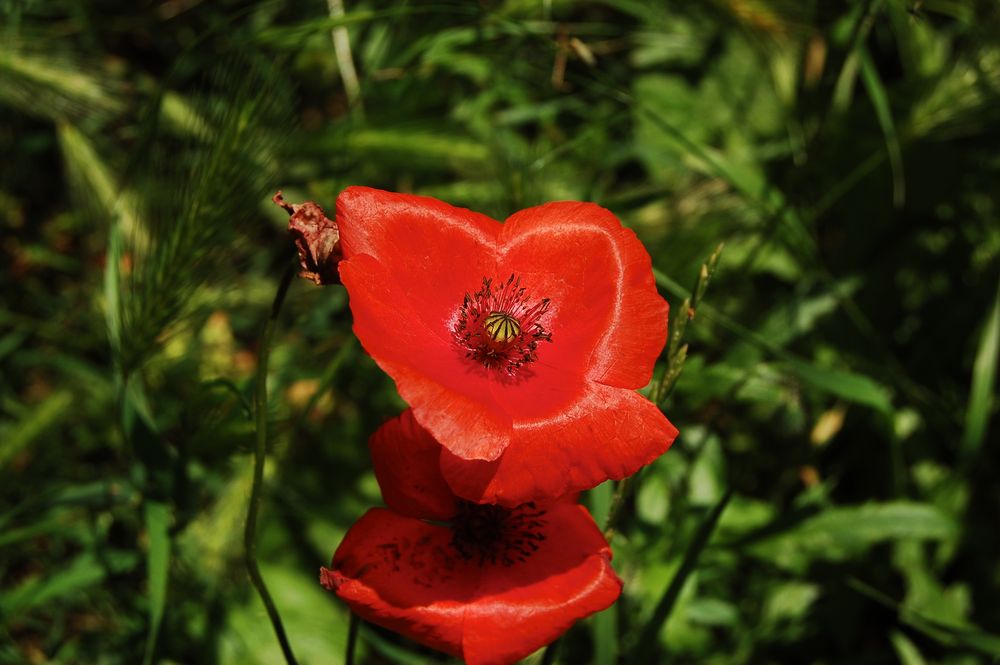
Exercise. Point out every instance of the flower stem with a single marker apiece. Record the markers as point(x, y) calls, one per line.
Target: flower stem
point(260, 452)
point(352, 639)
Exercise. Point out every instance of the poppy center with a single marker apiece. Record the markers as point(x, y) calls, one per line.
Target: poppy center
point(500, 326)
point(494, 534)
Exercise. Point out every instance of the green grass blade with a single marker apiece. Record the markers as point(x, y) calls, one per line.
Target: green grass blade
point(293, 36)
point(112, 292)
point(604, 624)
point(38, 80)
point(880, 100)
point(906, 650)
point(606, 636)
point(984, 374)
point(389, 651)
point(94, 182)
point(864, 20)
point(158, 563)
point(14, 536)
point(82, 573)
point(968, 637)
point(35, 423)
point(646, 646)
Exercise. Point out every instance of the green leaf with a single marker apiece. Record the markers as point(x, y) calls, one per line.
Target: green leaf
point(603, 624)
point(880, 100)
point(316, 624)
point(646, 646)
point(842, 532)
point(852, 387)
point(984, 373)
point(158, 563)
point(906, 650)
point(789, 601)
point(429, 149)
point(599, 500)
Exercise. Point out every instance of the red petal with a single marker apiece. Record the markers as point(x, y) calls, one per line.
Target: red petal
point(434, 253)
point(607, 433)
point(405, 457)
point(409, 262)
point(522, 607)
point(606, 318)
point(402, 574)
point(450, 395)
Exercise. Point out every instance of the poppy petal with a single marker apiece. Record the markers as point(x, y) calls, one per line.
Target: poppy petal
point(608, 433)
point(450, 395)
point(606, 318)
point(405, 458)
point(522, 607)
point(433, 253)
point(401, 573)
point(409, 262)
point(607, 321)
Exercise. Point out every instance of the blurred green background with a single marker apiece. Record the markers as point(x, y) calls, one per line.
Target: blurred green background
point(841, 371)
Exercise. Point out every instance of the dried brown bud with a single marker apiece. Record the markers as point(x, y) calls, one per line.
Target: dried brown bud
point(316, 238)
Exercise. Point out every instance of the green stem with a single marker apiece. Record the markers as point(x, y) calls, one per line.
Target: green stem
point(617, 501)
point(352, 639)
point(260, 452)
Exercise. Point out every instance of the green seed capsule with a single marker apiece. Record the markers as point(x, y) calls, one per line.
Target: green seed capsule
point(502, 327)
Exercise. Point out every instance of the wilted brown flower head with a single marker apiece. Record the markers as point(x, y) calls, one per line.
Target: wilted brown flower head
point(317, 239)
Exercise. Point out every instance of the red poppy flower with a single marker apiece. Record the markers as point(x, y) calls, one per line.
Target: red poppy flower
point(491, 584)
point(519, 345)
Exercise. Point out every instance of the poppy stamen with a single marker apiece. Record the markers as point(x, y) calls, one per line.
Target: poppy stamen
point(493, 534)
point(499, 326)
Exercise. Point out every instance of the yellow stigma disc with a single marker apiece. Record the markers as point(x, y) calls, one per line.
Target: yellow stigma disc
point(502, 327)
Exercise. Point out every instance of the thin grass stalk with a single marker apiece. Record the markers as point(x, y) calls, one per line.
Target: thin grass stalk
point(621, 492)
point(667, 377)
point(260, 452)
point(345, 60)
point(648, 640)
